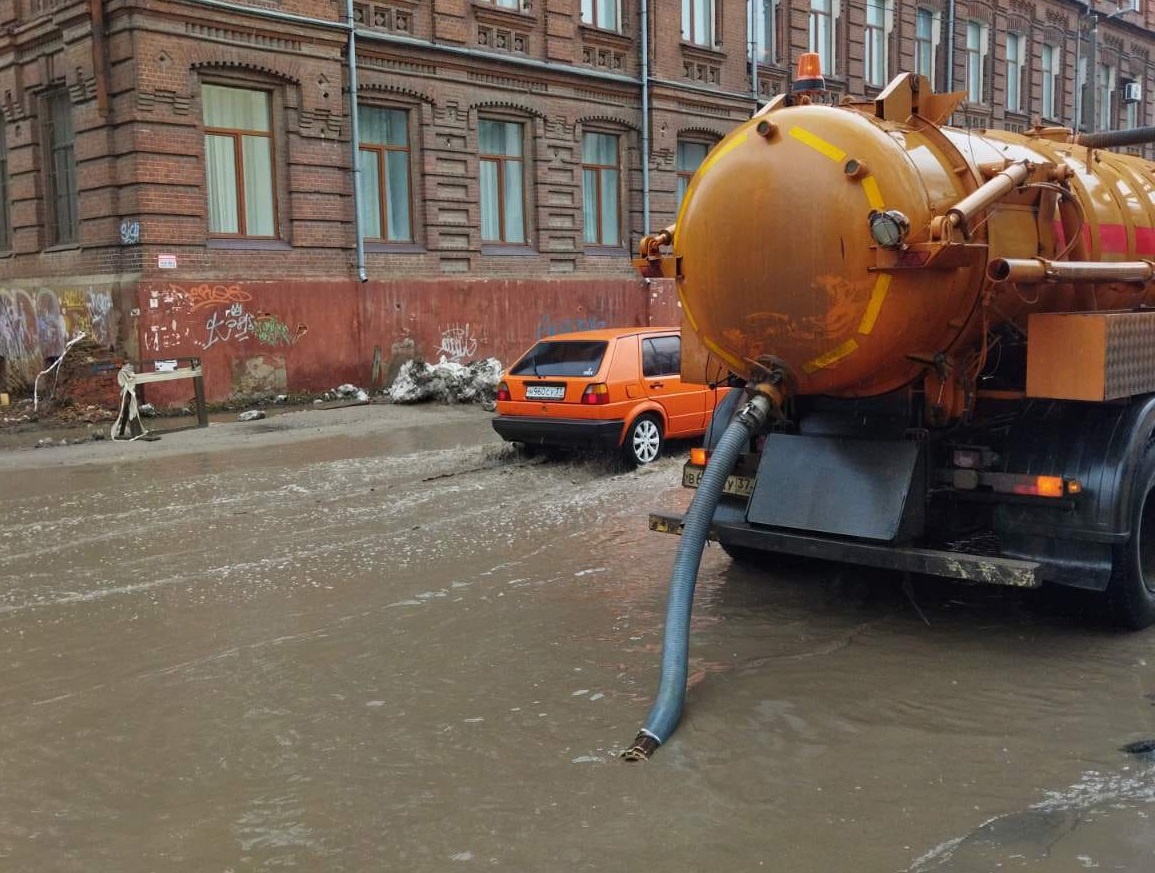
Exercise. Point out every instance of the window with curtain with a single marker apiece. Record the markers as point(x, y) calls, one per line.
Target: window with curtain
point(1051, 84)
point(601, 211)
point(975, 52)
point(60, 169)
point(764, 38)
point(239, 161)
point(606, 14)
point(502, 181)
point(689, 158)
point(925, 27)
point(1014, 49)
point(386, 205)
point(822, 33)
point(874, 42)
point(698, 22)
point(5, 199)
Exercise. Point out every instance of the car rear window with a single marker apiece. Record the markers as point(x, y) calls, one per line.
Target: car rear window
point(569, 358)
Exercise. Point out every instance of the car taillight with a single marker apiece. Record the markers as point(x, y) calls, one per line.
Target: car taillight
point(596, 394)
point(503, 392)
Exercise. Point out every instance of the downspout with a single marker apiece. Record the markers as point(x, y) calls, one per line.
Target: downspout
point(355, 137)
point(950, 46)
point(752, 44)
point(99, 56)
point(645, 50)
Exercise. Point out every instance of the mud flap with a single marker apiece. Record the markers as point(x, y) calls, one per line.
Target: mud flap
point(845, 487)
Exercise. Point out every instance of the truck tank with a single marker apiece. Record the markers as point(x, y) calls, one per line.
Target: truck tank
point(854, 247)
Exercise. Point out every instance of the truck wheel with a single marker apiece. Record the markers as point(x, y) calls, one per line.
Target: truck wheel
point(643, 442)
point(1131, 592)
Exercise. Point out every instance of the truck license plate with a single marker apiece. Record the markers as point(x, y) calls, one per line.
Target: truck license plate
point(545, 392)
point(738, 486)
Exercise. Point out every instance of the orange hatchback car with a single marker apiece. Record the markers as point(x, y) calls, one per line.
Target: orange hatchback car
point(605, 389)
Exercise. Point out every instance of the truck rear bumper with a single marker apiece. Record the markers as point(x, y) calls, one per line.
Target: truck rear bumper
point(974, 568)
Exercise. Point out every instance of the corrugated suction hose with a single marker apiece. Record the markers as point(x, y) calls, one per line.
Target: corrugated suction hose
point(667, 709)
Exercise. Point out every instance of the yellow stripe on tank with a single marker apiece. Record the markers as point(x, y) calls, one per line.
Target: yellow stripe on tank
point(881, 286)
point(873, 195)
point(831, 357)
point(818, 144)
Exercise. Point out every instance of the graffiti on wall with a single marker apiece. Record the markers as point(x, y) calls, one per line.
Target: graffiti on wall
point(36, 325)
point(547, 326)
point(457, 342)
point(207, 315)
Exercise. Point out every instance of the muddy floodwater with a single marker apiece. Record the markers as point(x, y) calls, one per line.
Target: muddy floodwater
point(377, 639)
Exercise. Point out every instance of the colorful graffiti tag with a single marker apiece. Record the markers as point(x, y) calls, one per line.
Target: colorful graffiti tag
point(204, 316)
point(35, 325)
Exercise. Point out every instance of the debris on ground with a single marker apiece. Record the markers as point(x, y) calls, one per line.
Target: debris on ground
point(251, 415)
point(351, 391)
point(447, 381)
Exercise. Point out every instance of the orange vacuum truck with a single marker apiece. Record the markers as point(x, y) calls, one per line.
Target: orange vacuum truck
point(946, 341)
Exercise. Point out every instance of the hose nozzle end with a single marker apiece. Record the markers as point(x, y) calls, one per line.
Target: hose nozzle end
point(643, 746)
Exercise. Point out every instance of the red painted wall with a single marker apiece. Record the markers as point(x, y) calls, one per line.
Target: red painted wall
point(277, 337)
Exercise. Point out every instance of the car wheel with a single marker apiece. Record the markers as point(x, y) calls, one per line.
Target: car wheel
point(643, 443)
point(1131, 592)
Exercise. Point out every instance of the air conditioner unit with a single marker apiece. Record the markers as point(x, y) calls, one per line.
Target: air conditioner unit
point(1132, 92)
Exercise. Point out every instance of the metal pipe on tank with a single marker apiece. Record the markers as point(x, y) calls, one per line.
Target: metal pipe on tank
point(987, 194)
point(1034, 270)
point(1109, 139)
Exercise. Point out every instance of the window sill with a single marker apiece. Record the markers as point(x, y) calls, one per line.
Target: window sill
point(501, 250)
point(247, 244)
point(61, 247)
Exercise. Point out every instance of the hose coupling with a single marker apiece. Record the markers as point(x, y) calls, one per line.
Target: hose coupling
point(645, 744)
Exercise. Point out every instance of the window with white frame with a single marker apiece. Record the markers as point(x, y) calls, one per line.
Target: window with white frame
point(764, 30)
point(1051, 85)
point(1104, 88)
point(1130, 108)
point(601, 171)
point(975, 60)
point(606, 14)
point(698, 22)
point(926, 26)
point(1014, 84)
point(239, 161)
point(386, 207)
point(878, 17)
point(691, 153)
point(500, 147)
point(821, 39)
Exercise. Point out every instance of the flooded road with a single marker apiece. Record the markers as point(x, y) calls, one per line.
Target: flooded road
point(386, 642)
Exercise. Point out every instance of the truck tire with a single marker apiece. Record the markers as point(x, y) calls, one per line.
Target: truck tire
point(643, 442)
point(1131, 591)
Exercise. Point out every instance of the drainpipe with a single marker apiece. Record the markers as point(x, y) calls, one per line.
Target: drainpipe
point(355, 136)
point(645, 49)
point(950, 46)
point(99, 56)
point(752, 42)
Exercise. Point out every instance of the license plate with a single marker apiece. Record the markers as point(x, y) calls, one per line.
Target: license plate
point(738, 486)
point(545, 392)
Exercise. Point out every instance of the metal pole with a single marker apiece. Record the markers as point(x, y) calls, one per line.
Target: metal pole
point(645, 49)
point(355, 136)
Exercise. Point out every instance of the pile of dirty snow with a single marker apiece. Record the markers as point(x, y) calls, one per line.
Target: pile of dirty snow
point(447, 381)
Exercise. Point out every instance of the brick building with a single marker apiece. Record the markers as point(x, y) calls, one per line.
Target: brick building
point(177, 175)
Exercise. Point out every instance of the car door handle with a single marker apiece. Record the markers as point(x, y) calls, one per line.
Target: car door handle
point(657, 384)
